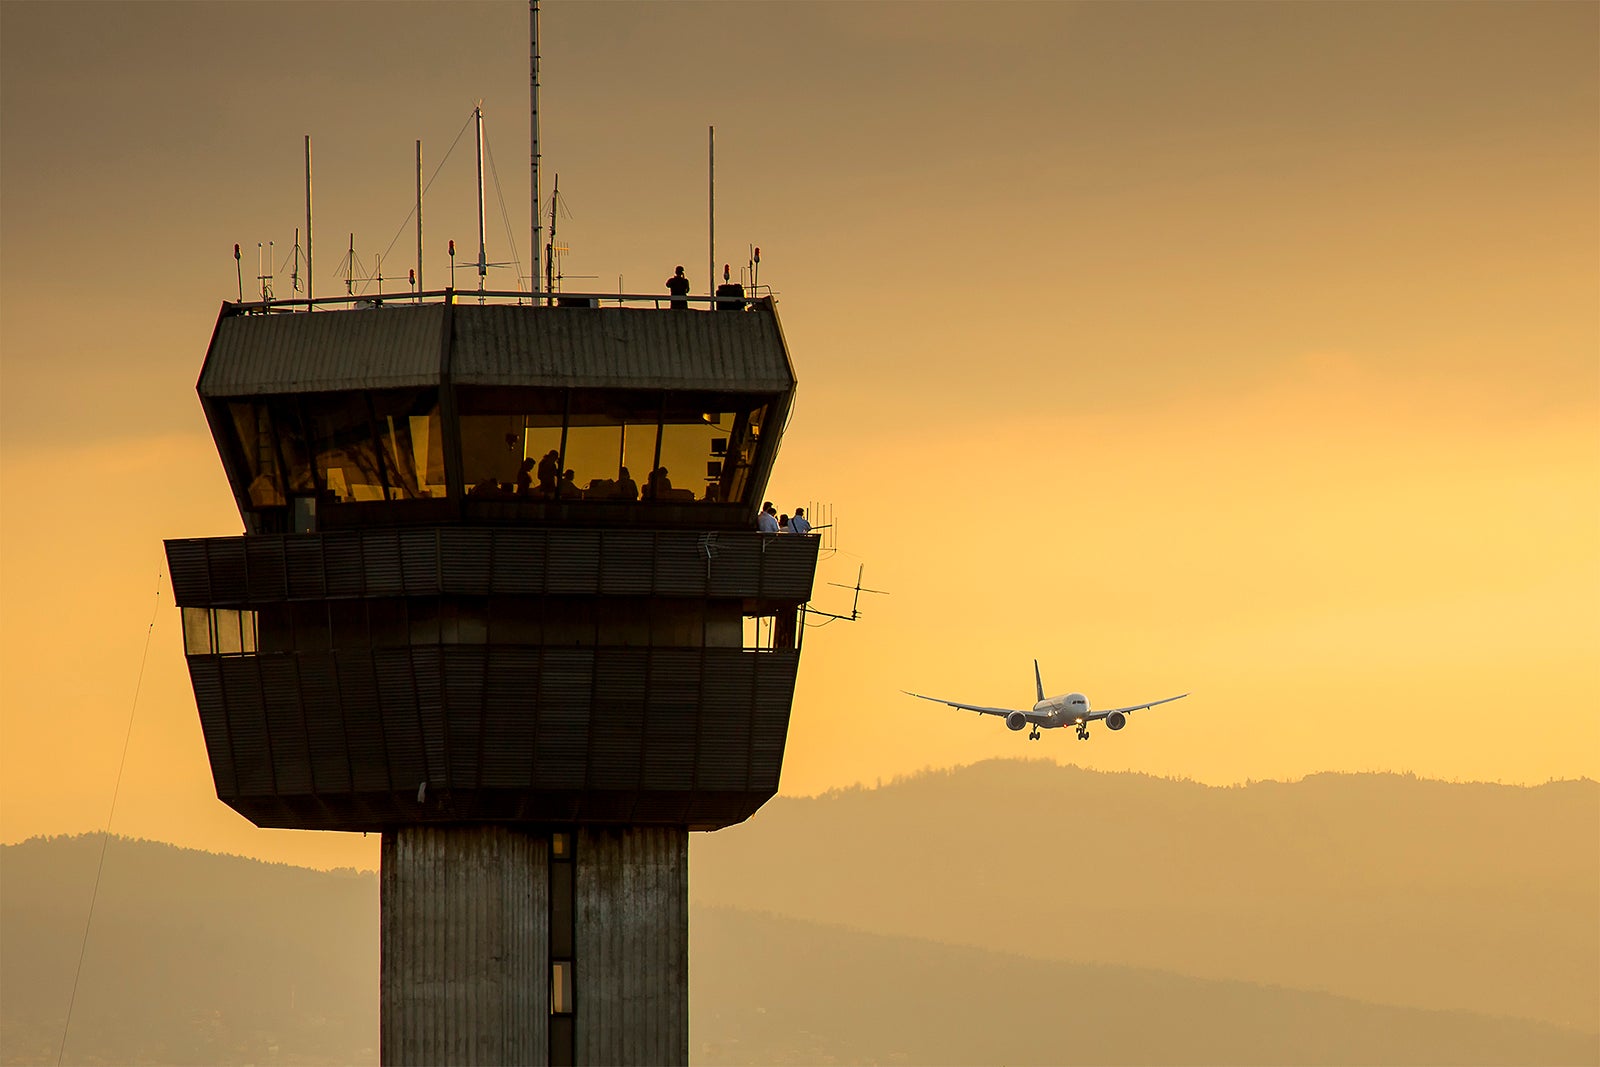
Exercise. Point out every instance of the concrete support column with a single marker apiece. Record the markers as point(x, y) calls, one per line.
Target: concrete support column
point(631, 994)
point(465, 972)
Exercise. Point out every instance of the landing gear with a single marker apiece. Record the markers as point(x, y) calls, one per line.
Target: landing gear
point(1035, 735)
point(1083, 735)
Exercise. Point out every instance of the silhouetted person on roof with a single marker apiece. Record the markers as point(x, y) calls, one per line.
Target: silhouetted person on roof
point(678, 286)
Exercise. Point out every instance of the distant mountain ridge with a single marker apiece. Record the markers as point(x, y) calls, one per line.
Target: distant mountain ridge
point(205, 959)
point(1382, 887)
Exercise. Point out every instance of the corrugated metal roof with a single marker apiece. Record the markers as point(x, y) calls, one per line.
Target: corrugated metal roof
point(328, 351)
point(620, 347)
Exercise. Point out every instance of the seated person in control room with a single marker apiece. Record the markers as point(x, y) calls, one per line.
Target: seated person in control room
point(487, 487)
point(627, 488)
point(568, 490)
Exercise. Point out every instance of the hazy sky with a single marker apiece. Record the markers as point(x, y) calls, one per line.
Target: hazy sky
point(1251, 350)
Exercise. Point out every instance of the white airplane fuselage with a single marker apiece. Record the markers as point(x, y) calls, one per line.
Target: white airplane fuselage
point(1066, 709)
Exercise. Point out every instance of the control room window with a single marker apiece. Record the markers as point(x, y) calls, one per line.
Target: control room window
point(220, 631)
point(708, 445)
point(271, 440)
point(344, 440)
point(507, 432)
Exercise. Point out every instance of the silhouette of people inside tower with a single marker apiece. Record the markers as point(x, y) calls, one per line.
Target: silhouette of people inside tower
point(657, 486)
point(549, 472)
point(678, 286)
point(569, 486)
point(627, 488)
point(525, 477)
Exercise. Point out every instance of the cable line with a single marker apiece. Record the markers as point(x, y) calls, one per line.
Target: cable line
point(105, 839)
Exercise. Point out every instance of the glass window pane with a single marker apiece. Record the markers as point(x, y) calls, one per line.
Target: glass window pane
point(387, 619)
point(253, 427)
point(229, 643)
point(506, 435)
point(310, 626)
point(276, 631)
point(412, 442)
point(349, 623)
point(248, 626)
point(560, 987)
point(593, 461)
point(196, 632)
point(344, 440)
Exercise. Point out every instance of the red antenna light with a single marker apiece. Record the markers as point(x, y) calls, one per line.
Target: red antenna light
point(235, 251)
point(725, 272)
point(758, 255)
point(413, 273)
point(452, 250)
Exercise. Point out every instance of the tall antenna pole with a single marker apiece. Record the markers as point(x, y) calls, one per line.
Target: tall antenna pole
point(550, 253)
point(711, 252)
point(483, 255)
point(310, 293)
point(533, 97)
point(419, 216)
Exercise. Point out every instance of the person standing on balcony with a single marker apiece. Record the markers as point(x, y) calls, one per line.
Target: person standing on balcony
point(678, 286)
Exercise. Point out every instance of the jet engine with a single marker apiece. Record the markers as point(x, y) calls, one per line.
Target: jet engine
point(1016, 721)
point(1116, 720)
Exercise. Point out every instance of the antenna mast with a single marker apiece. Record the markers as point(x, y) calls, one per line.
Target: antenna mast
point(550, 250)
point(309, 293)
point(711, 252)
point(533, 96)
point(419, 216)
point(483, 257)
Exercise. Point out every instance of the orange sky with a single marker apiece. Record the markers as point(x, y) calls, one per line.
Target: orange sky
point(1251, 350)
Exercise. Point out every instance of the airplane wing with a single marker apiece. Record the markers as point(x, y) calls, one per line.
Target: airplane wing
point(980, 709)
point(1136, 707)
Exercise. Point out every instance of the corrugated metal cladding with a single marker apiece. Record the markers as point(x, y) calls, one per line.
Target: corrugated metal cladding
point(343, 740)
point(631, 989)
point(384, 348)
point(616, 347)
point(465, 975)
point(456, 561)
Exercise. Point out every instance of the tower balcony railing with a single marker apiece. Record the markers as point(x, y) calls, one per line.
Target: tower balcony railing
point(752, 300)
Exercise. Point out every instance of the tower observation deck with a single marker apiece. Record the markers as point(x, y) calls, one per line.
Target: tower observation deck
point(500, 597)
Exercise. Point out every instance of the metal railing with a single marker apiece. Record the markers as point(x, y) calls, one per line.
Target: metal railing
point(662, 301)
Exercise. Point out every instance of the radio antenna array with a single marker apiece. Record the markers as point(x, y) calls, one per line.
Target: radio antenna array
point(855, 600)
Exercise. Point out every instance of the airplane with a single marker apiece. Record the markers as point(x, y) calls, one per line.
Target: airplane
point(1049, 713)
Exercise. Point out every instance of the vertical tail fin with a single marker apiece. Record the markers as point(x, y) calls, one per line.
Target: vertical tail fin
point(1038, 682)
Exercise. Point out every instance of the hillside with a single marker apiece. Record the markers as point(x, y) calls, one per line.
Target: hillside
point(1381, 887)
point(779, 991)
point(192, 957)
point(203, 959)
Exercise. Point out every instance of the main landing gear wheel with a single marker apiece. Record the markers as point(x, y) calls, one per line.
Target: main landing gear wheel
point(1035, 735)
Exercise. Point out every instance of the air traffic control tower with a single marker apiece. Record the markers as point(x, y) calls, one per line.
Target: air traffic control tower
point(500, 598)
